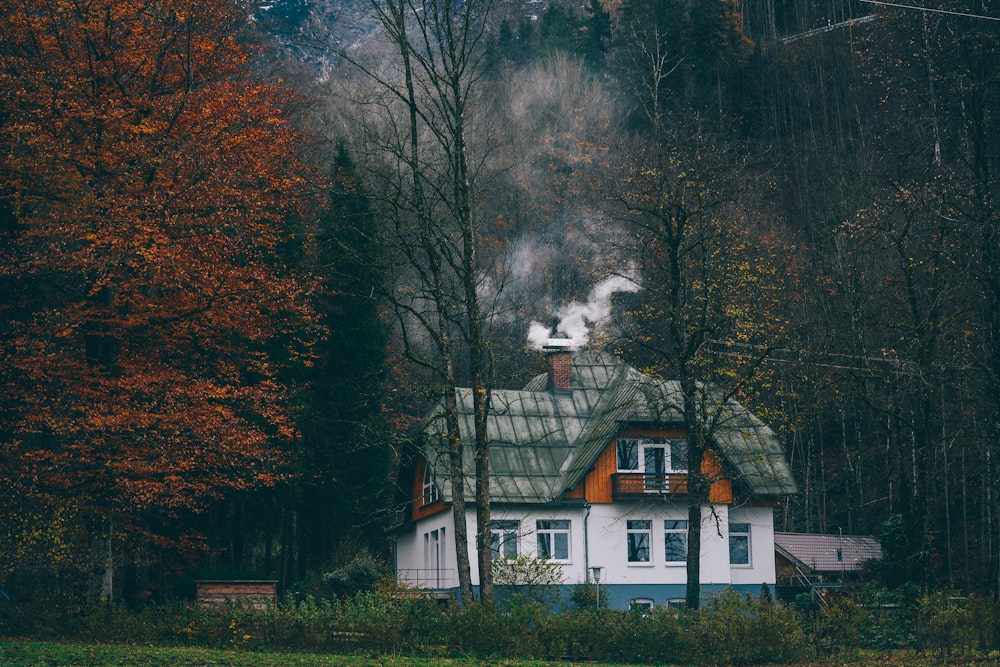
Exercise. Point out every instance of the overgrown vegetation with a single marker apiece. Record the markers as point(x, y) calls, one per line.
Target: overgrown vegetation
point(731, 629)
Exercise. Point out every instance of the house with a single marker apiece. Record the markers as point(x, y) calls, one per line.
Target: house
point(589, 469)
point(810, 561)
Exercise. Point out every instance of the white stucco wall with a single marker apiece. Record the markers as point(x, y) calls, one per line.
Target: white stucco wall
point(604, 527)
point(761, 570)
point(417, 567)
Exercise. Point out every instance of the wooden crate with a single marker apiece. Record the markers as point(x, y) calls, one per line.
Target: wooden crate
point(257, 593)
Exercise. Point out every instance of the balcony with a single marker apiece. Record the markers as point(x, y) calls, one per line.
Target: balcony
point(428, 578)
point(637, 484)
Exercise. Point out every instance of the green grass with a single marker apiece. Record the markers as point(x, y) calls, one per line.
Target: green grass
point(26, 653)
point(22, 653)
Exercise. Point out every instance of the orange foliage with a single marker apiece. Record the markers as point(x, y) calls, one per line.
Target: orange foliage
point(149, 185)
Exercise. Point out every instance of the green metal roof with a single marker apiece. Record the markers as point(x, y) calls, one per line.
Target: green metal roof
point(543, 442)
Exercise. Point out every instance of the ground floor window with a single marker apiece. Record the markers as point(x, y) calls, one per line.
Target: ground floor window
point(675, 540)
point(639, 537)
point(553, 539)
point(434, 557)
point(503, 538)
point(739, 543)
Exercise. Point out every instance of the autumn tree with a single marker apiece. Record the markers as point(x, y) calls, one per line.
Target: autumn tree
point(916, 284)
point(708, 312)
point(152, 196)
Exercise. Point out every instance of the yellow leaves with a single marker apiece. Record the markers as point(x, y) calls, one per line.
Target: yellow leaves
point(148, 126)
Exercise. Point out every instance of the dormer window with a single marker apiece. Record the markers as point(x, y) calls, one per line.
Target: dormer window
point(652, 456)
point(650, 465)
point(430, 491)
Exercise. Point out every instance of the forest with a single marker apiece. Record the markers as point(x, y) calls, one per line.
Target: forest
point(243, 248)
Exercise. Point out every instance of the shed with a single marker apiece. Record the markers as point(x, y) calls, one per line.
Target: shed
point(258, 593)
point(813, 560)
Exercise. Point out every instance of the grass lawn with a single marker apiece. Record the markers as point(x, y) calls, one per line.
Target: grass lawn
point(26, 653)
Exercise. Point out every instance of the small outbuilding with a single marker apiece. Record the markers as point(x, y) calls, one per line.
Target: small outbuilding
point(813, 561)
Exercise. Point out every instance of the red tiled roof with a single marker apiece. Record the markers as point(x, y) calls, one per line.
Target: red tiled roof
point(827, 553)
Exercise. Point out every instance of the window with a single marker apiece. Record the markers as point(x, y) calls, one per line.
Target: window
point(628, 454)
point(430, 490)
point(553, 539)
point(675, 541)
point(638, 533)
point(739, 543)
point(503, 538)
point(658, 456)
point(643, 605)
point(679, 455)
point(434, 556)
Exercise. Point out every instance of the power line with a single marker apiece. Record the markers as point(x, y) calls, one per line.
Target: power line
point(935, 11)
point(827, 28)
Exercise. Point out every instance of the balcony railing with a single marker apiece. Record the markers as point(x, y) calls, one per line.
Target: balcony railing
point(634, 484)
point(428, 578)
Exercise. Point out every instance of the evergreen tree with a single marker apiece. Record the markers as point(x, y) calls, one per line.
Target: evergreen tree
point(558, 29)
point(598, 36)
point(345, 454)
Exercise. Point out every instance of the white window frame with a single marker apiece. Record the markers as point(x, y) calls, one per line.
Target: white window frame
point(552, 533)
point(434, 556)
point(643, 605)
point(739, 531)
point(680, 528)
point(642, 444)
point(429, 490)
point(623, 442)
point(504, 538)
point(634, 527)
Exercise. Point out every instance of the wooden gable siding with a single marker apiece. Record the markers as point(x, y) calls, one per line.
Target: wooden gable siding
point(721, 491)
point(419, 509)
point(596, 486)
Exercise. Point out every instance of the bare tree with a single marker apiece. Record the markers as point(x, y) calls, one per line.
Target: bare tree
point(426, 188)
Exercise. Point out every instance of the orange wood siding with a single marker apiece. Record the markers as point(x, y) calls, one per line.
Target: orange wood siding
point(598, 480)
point(596, 486)
point(721, 491)
point(419, 510)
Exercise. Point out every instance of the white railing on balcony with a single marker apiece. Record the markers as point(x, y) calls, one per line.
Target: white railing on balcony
point(428, 578)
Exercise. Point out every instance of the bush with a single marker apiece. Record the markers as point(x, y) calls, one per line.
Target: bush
point(654, 637)
point(738, 630)
point(731, 629)
point(526, 579)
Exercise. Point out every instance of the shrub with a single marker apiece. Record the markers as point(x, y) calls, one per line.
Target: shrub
point(586, 634)
point(654, 637)
point(584, 597)
point(527, 579)
point(841, 627)
point(741, 631)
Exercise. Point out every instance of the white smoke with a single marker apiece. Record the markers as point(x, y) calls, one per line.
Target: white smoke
point(576, 319)
point(538, 335)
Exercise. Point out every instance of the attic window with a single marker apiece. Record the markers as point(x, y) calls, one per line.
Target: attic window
point(429, 491)
point(657, 455)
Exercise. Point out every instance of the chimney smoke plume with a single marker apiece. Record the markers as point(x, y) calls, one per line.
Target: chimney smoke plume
point(576, 319)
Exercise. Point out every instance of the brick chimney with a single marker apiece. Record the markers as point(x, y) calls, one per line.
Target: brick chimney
point(558, 353)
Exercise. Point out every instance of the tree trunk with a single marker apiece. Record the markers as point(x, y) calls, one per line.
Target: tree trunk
point(698, 486)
